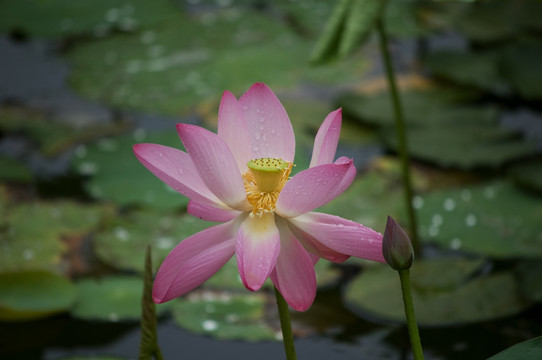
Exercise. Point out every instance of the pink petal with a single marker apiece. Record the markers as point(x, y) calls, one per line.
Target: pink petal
point(215, 164)
point(315, 247)
point(327, 138)
point(344, 236)
point(176, 169)
point(193, 261)
point(233, 129)
point(294, 274)
point(311, 188)
point(348, 178)
point(210, 213)
point(257, 248)
point(269, 125)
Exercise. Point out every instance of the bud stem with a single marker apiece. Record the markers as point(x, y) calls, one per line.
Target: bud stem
point(404, 276)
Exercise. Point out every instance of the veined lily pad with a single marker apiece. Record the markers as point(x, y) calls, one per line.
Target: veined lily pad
point(114, 298)
point(62, 18)
point(116, 175)
point(33, 294)
point(225, 315)
point(31, 238)
point(495, 219)
point(444, 291)
point(123, 243)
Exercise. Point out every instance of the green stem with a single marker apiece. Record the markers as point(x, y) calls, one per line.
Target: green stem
point(401, 134)
point(415, 341)
point(286, 326)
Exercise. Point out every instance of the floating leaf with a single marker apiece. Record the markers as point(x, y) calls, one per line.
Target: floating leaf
point(444, 291)
point(31, 238)
point(225, 315)
point(527, 350)
point(33, 294)
point(114, 298)
point(495, 219)
point(123, 243)
point(92, 358)
point(116, 175)
point(62, 18)
point(441, 131)
point(173, 73)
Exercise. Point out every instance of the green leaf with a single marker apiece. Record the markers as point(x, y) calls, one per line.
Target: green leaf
point(35, 235)
point(444, 291)
point(495, 219)
point(225, 315)
point(360, 21)
point(63, 18)
point(441, 131)
point(174, 73)
point(116, 175)
point(527, 350)
point(123, 243)
point(114, 298)
point(328, 44)
point(33, 294)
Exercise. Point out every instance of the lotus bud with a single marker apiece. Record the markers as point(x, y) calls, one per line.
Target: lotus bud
point(396, 246)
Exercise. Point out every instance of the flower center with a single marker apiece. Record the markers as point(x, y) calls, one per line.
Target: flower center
point(264, 180)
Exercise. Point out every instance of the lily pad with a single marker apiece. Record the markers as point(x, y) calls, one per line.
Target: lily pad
point(32, 235)
point(527, 350)
point(115, 174)
point(114, 298)
point(226, 315)
point(441, 131)
point(496, 219)
point(52, 136)
point(172, 72)
point(63, 18)
point(444, 291)
point(124, 242)
point(33, 294)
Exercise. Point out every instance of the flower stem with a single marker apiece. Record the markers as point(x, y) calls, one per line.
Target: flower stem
point(401, 134)
point(415, 342)
point(286, 326)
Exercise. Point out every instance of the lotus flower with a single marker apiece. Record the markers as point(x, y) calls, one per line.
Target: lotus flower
point(241, 177)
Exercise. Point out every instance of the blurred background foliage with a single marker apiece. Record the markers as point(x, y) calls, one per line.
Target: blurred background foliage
point(82, 81)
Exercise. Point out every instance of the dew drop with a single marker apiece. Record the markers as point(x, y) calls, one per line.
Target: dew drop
point(470, 220)
point(417, 202)
point(245, 108)
point(466, 195)
point(449, 204)
point(455, 244)
point(436, 220)
point(340, 226)
point(122, 234)
point(28, 254)
point(113, 317)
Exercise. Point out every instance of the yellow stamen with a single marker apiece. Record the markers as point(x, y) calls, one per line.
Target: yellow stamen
point(264, 180)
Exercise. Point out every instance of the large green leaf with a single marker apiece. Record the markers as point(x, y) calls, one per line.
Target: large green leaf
point(63, 18)
point(33, 294)
point(34, 235)
point(174, 72)
point(527, 350)
point(114, 298)
point(116, 175)
point(226, 315)
point(441, 131)
point(444, 291)
point(123, 243)
point(495, 219)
